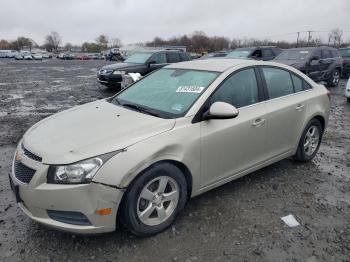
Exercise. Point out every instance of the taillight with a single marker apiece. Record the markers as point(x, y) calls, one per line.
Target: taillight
point(329, 94)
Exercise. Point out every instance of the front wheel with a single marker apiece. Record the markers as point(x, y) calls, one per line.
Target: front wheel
point(154, 199)
point(310, 141)
point(334, 78)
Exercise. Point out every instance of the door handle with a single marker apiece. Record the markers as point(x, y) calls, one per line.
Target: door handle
point(299, 107)
point(259, 122)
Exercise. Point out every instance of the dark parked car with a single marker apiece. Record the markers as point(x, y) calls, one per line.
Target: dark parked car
point(345, 53)
point(264, 53)
point(319, 63)
point(141, 62)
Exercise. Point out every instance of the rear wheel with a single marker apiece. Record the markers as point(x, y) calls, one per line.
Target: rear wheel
point(348, 99)
point(310, 141)
point(154, 199)
point(334, 78)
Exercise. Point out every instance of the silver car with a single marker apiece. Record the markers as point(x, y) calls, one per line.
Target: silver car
point(137, 157)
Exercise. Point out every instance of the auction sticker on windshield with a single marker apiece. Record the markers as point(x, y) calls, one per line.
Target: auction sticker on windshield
point(190, 89)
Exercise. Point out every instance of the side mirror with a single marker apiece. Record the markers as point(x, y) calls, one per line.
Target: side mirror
point(314, 58)
point(151, 63)
point(221, 110)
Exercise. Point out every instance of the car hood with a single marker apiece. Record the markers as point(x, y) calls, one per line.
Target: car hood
point(295, 63)
point(122, 66)
point(89, 130)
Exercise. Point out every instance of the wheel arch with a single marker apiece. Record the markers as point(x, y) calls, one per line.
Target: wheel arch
point(184, 170)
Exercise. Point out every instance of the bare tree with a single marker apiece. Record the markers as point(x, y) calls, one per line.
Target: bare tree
point(102, 41)
point(22, 42)
point(115, 42)
point(336, 35)
point(68, 47)
point(52, 41)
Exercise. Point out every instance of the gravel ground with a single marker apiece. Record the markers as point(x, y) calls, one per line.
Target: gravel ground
point(239, 221)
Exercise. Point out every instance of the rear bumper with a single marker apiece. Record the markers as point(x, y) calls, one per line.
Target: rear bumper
point(37, 197)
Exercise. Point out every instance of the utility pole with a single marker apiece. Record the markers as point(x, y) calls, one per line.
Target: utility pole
point(298, 39)
point(309, 38)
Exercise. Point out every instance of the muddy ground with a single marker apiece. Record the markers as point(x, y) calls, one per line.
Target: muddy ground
point(239, 221)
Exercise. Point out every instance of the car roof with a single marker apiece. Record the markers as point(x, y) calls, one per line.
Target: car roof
point(157, 51)
point(215, 64)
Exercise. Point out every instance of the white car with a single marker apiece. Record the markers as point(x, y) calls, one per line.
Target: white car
point(37, 56)
point(174, 134)
point(347, 91)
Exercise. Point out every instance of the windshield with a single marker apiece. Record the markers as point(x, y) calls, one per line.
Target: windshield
point(240, 53)
point(138, 58)
point(296, 54)
point(167, 93)
point(344, 52)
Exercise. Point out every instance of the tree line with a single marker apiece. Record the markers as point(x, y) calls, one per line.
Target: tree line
point(197, 42)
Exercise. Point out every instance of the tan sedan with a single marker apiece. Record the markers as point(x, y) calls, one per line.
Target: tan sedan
point(137, 157)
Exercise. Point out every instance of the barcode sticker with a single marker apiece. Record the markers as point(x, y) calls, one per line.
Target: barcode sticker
point(190, 89)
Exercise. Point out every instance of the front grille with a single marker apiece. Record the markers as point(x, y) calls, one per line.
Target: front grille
point(69, 217)
point(22, 172)
point(29, 154)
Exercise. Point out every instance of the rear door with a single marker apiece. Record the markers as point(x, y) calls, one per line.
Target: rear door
point(286, 107)
point(314, 69)
point(326, 60)
point(229, 146)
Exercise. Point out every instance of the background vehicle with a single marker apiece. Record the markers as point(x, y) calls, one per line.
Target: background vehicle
point(141, 62)
point(214, 55)
point(345, 53)
point(37, 56)
point(347, 91)
point(319, 63)
point(264, 53)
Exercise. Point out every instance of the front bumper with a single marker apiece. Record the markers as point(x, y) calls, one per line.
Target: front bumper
point(37, 197)
point(109, 79)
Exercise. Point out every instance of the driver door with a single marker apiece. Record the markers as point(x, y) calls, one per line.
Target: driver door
point(230, 146)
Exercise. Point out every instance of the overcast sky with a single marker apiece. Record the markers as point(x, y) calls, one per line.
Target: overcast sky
point(133, 21)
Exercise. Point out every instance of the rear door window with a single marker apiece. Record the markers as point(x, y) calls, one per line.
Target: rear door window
point(278, 82)
point(159, 58)
point(173, 57)
point(239, 90)
point(326, 54)
point(266, 52)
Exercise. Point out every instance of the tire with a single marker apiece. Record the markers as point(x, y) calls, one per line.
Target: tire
point(146, 209)
point(305, 152)
point(348, 99)
point(334, 79)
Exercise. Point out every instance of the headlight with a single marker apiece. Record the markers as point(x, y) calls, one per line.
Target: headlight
point(77, 173)
point(118, 72)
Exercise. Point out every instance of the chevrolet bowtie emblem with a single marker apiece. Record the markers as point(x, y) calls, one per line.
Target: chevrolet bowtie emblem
point(18, 157)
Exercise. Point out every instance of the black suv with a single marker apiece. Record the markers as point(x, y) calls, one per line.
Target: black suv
point(345, 53)
point(319, 63)
point(264, 53)
point(141, 62)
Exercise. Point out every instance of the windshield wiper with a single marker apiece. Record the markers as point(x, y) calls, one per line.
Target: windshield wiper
point(140, 109)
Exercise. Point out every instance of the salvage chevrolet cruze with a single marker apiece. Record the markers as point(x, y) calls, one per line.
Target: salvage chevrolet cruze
point(137, 157)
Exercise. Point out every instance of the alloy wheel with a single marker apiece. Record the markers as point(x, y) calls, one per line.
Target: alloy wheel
point(158, 200)
point(311, 140)
point(336, 78)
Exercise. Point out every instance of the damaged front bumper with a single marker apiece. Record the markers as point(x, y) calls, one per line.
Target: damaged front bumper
point(72, 208)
